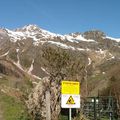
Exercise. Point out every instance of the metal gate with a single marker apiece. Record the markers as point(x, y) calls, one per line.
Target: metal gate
point(100, 108)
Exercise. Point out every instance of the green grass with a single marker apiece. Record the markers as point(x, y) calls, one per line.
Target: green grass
point(24, 85)
point(63, 117)
point(12, 108)
point(3, 81)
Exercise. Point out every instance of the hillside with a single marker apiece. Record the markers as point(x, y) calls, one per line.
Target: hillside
point(33, 59)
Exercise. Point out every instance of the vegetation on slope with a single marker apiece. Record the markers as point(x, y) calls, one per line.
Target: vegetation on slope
point(12, 108)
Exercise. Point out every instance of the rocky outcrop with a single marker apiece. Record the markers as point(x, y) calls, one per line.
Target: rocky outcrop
point(37, 103)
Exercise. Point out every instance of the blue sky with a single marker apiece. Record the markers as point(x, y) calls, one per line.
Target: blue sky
point(63, 16)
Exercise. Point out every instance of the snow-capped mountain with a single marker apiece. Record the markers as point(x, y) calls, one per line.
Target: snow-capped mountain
point(34, 58)
point(37, 34)
point(41, 36)
point(23, 47)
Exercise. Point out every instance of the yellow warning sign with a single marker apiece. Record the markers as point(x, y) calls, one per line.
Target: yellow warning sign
point(70, 87)
point(70, 100)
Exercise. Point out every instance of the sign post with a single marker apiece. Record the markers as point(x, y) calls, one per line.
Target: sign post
point(70, 95)
point(70, 112)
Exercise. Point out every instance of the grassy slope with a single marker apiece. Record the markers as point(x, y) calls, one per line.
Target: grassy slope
point(12, 108)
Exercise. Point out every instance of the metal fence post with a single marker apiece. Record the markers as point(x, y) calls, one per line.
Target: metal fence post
point(48, 111)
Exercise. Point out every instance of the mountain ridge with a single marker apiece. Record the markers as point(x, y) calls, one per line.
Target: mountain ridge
point(94, 42)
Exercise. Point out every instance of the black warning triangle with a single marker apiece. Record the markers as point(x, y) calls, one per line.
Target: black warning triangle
point(70, 100)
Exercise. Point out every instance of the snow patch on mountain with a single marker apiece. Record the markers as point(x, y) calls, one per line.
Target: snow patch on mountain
point(62, 45)
point(80, 38)
point(82, 49)
point(14, 36)
point(42, 42)
point(113, 57)
point(17, 50)
point(89, 61)
point(5, 54)
point(44, 70)
point(36, 77)
point(19, 66)
point(18, 59)
point(77, 38)
point(70, 38)
point(31, 67)
point(65, 46)
point(115, 39)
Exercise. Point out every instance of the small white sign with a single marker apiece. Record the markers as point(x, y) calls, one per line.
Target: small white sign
point(70, 101)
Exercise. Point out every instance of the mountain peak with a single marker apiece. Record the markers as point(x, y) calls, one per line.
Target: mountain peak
point(30, 28)
point(94, 34)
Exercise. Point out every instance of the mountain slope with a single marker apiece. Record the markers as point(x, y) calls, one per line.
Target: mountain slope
point(24, 47)
point(30, 54)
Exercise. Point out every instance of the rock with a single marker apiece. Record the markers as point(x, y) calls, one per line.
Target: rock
point(37, 100)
